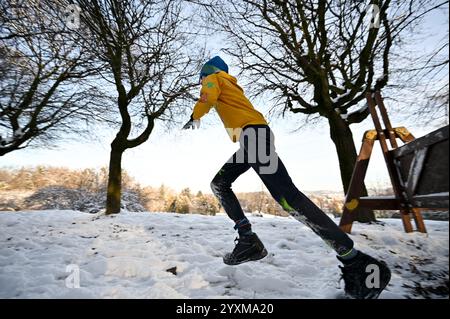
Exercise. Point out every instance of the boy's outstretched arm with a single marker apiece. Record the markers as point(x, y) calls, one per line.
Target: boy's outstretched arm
point(208, 97)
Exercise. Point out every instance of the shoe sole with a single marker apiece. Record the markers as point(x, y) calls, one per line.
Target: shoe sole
point(377, 292)
point(251, 258)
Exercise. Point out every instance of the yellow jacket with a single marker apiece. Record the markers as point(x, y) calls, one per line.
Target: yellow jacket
point(220, 90)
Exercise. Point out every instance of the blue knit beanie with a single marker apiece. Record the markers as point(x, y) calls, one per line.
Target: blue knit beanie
point(214, 65)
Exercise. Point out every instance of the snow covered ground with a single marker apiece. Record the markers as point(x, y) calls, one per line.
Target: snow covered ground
point(127, 256)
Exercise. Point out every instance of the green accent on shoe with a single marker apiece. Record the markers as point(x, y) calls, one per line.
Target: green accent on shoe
point(221, 171)
point(349, 256)
point(210, 85)
point(347, 253)
point(285, 205)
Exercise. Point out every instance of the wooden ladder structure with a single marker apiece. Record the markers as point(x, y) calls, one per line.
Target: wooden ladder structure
point(400, 201)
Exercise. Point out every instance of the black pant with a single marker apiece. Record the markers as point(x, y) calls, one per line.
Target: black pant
point(257, 151)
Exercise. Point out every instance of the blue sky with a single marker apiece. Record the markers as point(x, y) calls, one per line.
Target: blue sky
point(181, 159)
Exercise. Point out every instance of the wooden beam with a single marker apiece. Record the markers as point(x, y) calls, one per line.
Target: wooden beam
point(432, 201)
point(422, 142)
point(380, 203)
point(415, 171)
point(357, 181)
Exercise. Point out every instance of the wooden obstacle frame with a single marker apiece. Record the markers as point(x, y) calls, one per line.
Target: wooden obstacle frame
point(418, 171)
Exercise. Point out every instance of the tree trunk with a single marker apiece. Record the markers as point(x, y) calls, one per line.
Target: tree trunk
point(345, 147)
point(114, 180)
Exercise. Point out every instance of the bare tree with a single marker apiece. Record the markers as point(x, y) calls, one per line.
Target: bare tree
point(150, 69)
point(318, 58)
point(423, 78)
point(43, 94)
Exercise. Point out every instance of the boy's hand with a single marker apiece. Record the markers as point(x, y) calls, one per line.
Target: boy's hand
point(191, 124)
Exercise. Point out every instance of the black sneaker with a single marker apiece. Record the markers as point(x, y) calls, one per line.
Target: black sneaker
point(247, 248)
point(364, 276)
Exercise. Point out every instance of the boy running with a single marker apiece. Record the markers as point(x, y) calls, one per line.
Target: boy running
point(257, 151)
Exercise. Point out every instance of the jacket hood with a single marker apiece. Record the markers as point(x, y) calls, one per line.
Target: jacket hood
point(229, 77)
